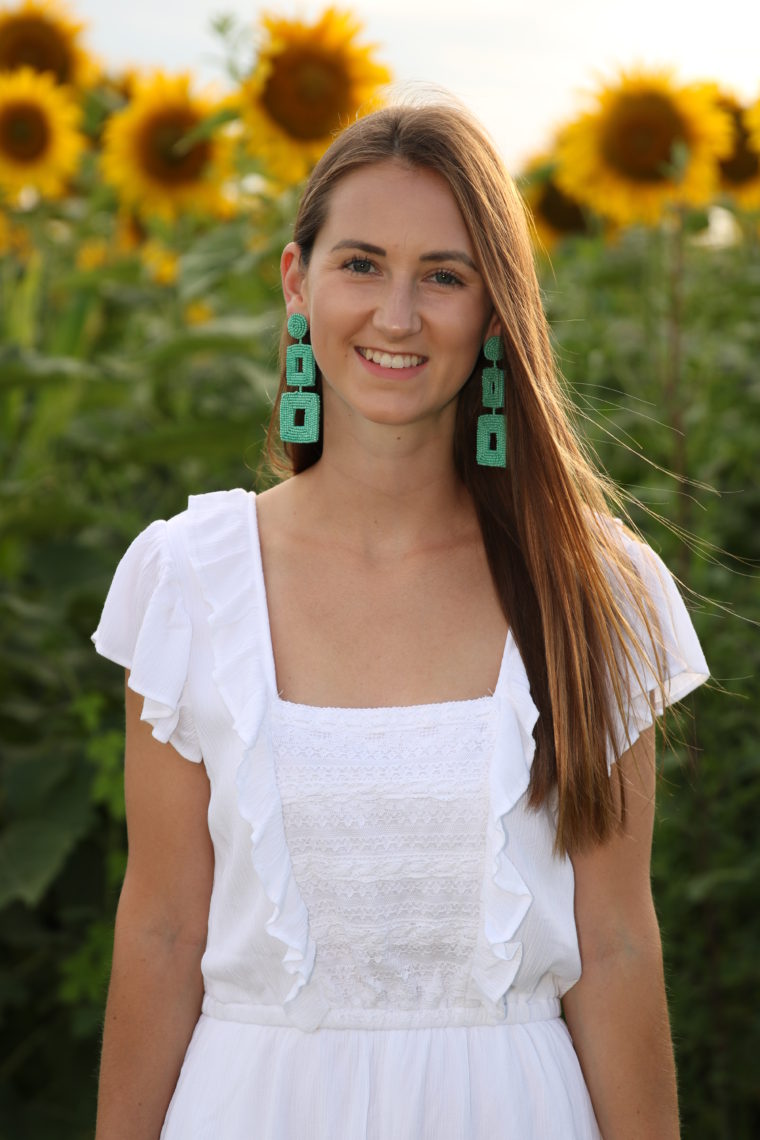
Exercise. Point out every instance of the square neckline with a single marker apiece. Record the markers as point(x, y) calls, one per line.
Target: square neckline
point(463, 704)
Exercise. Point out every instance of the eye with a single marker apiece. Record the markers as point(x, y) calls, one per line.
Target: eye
point(446, 277)
point(359, 265)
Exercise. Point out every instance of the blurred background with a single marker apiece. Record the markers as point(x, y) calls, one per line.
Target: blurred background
point(150, 163)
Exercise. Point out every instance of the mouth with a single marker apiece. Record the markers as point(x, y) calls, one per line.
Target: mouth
point(391, 359)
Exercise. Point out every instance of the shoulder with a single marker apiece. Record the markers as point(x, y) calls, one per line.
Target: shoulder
point(616, 537)
point(292, 515)
point(661, 659)
point(155, 562)
point(636, 572)
point(643, 584)
point(214, 505)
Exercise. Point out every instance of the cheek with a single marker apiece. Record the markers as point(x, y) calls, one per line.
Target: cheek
point(471, 351)
point(330, 350)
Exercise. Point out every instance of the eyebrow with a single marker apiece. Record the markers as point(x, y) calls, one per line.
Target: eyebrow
point(434, 255)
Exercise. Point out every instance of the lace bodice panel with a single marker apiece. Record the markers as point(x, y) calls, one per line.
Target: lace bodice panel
point(385, 817)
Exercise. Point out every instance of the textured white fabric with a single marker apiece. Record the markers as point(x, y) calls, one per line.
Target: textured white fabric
point(390, 933)
point(385, 824)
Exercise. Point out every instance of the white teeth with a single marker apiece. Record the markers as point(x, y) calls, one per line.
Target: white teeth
point(386, 360)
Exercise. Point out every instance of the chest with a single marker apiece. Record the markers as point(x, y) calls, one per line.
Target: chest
point(349, 632)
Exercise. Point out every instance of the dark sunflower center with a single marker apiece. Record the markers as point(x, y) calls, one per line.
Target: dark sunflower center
point(307, 93)
point(743, 164)
point(164, 155)
point(30, 41)
point(559, 211)
point(24, 132)
point(639, 135)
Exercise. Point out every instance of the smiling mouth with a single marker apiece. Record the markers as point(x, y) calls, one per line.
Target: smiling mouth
point(391, 360)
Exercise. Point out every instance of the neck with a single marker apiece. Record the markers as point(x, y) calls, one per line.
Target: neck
point(390, 492)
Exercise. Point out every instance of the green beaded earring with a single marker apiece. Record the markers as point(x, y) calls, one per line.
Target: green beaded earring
point(492, 425)
point(299, 411)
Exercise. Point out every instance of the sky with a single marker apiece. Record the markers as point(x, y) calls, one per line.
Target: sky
point(522, 67)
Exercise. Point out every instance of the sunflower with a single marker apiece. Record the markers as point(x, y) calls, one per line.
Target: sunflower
point(15, 240)
point(741, 175)
point(161, 263)
point(310, 80)
point(146, 159)
point(40, 145)
point(198, 313)
point(646, 144)
point(555, 214)
point(129, 233)
point(92, 254)
point(41, 35)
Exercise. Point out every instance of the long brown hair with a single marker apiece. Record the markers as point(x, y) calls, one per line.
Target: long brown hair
point(564, 583)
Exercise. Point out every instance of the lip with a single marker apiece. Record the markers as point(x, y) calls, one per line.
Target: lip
point(391, 373)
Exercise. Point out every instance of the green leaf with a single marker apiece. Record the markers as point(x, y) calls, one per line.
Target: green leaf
point(33, 851)
point(34, 370)
point(226, 334)
point(206, 128)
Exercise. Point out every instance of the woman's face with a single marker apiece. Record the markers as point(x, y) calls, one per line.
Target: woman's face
point(397, 307)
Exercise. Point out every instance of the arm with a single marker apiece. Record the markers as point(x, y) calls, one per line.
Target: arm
point(155, 992)
point(617, 1013)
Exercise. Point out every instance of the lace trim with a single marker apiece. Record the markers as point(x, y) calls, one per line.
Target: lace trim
point(387, 832)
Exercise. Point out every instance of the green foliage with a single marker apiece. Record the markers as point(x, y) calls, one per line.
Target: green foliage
point(113, 409)
point(659, 338)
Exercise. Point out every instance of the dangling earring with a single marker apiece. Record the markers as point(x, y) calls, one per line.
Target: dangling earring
point(492, 425)
point(299, 411)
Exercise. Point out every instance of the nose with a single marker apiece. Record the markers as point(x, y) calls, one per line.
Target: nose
point(396, 315)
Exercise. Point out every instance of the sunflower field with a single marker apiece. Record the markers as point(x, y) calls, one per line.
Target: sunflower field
point(141, 223)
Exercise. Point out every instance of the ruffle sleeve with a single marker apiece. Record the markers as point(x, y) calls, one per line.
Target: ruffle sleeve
point(677, 644)
point(145, 628)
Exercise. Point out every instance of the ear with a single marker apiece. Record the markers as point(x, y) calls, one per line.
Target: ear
point(493, 328)
point(293, 279)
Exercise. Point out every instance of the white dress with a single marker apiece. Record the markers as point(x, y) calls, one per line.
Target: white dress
point(390, 933)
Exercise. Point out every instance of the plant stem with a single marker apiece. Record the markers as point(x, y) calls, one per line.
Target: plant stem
point(702, 840)
point(673, 386)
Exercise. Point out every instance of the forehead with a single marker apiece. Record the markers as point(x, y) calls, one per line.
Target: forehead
point(398, 203)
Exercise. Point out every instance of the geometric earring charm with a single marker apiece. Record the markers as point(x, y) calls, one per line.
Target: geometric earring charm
point(491, 448)
point(299, 410)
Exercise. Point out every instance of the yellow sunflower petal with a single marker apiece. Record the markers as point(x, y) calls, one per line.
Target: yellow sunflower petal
point(14, 238)
point(198, 313)
point(646, 144)
point(146, 159)
point(40, 144)
point(746, 189)
point(92, 254)
point(554, 213)
point(129, 234)
point(310, 81)
point(41, 34)
point(161, 263)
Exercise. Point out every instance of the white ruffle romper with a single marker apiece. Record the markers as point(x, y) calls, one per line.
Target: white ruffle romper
point(390, 933)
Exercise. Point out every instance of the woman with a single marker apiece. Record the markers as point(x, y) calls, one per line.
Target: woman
point(421, 674)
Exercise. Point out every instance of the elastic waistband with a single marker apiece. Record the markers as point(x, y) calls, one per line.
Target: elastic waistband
point(516, 1012)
